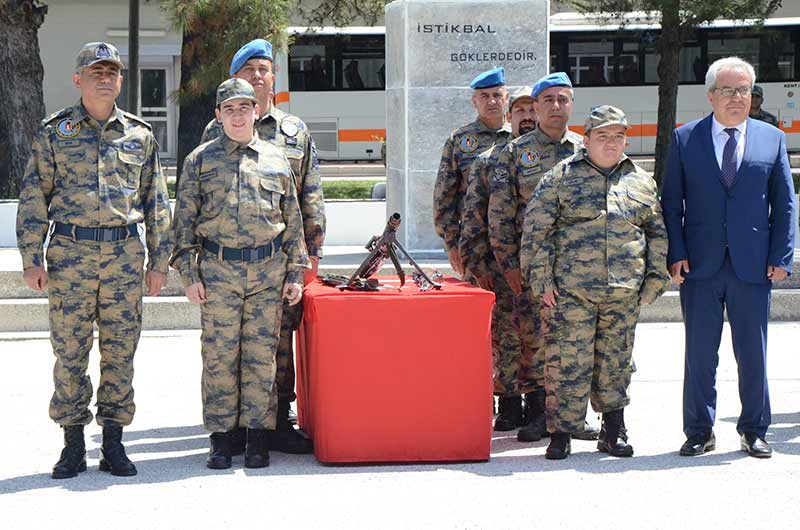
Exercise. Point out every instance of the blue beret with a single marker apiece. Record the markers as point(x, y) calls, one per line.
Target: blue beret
point(255, 49)
point(549, 81)
point(489, 78)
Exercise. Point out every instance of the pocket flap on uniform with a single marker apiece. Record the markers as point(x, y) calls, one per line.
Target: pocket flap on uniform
point(293, 152)
point(136, 159)
point(641, 196)
point(272, 185)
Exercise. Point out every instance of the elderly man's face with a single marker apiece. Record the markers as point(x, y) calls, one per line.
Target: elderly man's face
point(731, 110)
point(490, 102)
point(99, 82)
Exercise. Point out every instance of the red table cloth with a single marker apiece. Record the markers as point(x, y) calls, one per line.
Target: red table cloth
point(396, 376)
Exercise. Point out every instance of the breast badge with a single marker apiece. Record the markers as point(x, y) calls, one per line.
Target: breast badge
point(468, 144)
point(68, 128)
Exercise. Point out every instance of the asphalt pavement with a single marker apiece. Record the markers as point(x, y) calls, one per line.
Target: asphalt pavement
point(517, 488)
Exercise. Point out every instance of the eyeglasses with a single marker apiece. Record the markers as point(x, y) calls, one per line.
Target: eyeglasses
point(729, 92)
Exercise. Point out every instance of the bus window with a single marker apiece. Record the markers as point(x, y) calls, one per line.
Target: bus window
point(626, 64)
point(691, 69)
point(591, 61)
point(726, 44)
point(777, 62)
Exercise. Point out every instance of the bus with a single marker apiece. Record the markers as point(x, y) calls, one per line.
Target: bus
point(607, 65)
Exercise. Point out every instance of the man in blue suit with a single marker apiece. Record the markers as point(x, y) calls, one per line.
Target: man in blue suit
point(729, 206)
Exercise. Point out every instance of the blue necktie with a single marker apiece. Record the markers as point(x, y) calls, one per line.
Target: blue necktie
point(729, 158)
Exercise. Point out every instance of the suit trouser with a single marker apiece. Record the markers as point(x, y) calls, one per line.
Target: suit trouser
point(588, 354)
point(241, 323)
point(92, 282)
point(747, 305)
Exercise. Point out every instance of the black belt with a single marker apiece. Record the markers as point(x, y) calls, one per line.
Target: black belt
point(96, 234)
point(244, 254)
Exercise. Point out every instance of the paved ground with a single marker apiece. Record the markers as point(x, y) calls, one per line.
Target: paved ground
point(516, 488)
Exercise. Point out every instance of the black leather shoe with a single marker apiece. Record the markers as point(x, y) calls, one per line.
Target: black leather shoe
point(238, 440)
point(112, 453)
point(510, 416)
point(535, 427)
point(588, 433)
point(219, 457)
point(698, 444)
point(755, 446)
point(73, 456)
point(559, 447)
point(256, 455)
point(290, 441)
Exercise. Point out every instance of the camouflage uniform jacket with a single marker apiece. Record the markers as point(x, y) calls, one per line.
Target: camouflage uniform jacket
point(519, 167)
point(766, 117)
point(476, 254)
point(91, 176)
point(291, 134)
point(458, 154)
point(607, 231)
point(238, 196)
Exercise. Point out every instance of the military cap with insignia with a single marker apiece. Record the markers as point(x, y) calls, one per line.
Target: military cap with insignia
point(521, 94)
point(489, 78)
point(758, 91)
point(255, 49)
point(549, 81)
point(603, 116)
point(235, 88)
point(97, 52)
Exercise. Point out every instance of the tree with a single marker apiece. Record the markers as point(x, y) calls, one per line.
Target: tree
point(214, 29)
point(21, 75)
point(677, 18)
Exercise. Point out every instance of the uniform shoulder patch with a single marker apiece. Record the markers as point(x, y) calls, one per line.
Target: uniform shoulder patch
point(68, 128)
point(529, 158)
point(468, 143)
point(137, 119)
point(65, 112)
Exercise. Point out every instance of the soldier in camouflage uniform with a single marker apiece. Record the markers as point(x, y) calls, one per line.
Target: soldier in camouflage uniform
point(94, 171)
point(520, 166)
point(254, 63)
point(460, 150)
point(758, 113)
point(479, 263)
point(607, 257)
point(239, 248)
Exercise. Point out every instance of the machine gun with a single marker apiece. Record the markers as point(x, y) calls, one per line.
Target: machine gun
point(380, 248)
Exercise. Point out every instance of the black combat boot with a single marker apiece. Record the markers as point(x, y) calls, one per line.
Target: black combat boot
point(238, 440)
point(510, 416)
point(257, 453)
point(219, 456)
point(559, 447)
point(73, 456)
point(535, 427)
point(613, 435)
point(285, 438)
point(112, 453)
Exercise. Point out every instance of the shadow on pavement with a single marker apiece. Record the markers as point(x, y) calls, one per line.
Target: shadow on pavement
point(194, 439)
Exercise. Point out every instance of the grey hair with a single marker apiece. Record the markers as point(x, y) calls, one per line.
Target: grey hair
point(728, 63)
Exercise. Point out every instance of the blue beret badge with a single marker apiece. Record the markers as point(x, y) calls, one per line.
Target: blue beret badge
point(468, 144)
point(67, 128)
point(529, 158)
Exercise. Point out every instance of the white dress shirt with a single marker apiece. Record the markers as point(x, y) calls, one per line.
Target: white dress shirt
point(720, 138)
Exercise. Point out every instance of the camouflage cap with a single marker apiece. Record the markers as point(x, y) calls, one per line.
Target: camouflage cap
point(603, 116)
point(758, 91)
point(235, 88)
point(519, 95)
point(98, 52)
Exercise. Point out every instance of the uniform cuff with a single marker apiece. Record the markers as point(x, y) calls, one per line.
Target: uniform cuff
point(295, 276)
point(31, 259)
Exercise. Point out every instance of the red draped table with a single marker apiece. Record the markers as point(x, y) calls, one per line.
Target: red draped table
point(396, 376)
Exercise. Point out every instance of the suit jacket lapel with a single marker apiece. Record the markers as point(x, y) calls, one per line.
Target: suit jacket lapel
point(707, 148)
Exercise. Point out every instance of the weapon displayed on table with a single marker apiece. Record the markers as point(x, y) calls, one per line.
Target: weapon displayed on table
point(380, 248)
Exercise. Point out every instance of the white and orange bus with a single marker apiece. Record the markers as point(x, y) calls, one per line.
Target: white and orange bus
point(607, 65)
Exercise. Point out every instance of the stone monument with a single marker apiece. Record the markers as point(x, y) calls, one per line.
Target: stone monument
point(433, 50)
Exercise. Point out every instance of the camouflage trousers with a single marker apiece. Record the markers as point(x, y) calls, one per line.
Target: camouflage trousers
point(506, 343)
point(588, 354)
point(285, 377)
point(92, 282)
point(529, 309)
point(241, 324)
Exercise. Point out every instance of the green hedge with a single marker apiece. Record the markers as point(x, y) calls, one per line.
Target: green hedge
point(331, 189)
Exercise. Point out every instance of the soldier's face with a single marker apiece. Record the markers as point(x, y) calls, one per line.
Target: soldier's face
point(100, 82)
point(490, 102)
point(238, 117)
point(522, 117)
point(606, 145)
point(258, 72)
point(554, 107)
point(755, 103)
point(731, 110)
